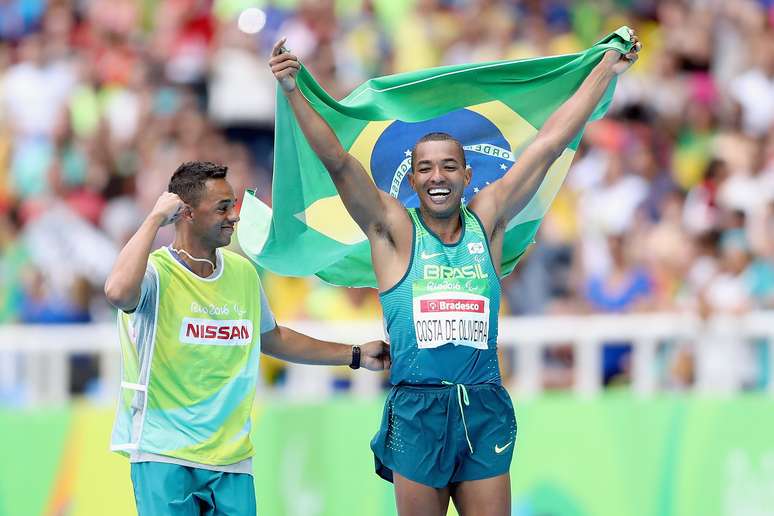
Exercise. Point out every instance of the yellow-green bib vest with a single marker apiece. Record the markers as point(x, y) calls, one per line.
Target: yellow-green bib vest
point(188, 391)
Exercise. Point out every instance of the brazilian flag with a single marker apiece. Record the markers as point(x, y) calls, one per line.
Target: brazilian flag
point(494, 109)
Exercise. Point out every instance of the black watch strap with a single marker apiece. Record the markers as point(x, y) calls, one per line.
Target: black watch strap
point(355, 364)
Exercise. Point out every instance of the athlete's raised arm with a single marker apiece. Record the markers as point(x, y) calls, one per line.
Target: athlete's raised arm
point(503, 199)
point(372, 209)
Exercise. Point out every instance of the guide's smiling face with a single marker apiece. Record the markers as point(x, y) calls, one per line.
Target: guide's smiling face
point(439, 177)
point(215, 215)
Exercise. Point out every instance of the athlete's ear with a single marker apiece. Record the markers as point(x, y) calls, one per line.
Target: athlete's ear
point(187, 212)
point(410, 177)
point(468, 174)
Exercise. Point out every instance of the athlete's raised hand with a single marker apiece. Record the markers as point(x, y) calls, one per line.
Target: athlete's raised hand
point(284, 66)
point(168, 208)
point(375, 355)
point(618, 62)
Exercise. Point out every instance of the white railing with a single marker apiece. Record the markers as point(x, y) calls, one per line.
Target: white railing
point(36, 358)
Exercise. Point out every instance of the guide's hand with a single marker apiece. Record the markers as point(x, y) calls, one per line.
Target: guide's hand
point(375, 355)
point(168, 208)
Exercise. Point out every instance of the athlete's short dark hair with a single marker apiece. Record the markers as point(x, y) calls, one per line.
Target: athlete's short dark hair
point(189, 179)
point(437, 137)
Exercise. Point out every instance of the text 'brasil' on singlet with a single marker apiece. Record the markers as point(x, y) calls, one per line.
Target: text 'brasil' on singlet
point(441, 317)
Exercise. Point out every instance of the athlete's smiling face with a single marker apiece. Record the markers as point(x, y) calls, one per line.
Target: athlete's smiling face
point(215, 215)
point(439, 176)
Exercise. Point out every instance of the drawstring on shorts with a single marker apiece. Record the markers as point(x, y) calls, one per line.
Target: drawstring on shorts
point(462, 398)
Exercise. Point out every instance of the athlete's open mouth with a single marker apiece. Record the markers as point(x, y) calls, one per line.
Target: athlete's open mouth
point(439, 195)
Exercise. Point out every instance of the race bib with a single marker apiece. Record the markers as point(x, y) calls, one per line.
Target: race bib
point(451, 311)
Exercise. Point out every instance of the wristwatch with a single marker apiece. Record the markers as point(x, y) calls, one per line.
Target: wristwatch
point(355, 357)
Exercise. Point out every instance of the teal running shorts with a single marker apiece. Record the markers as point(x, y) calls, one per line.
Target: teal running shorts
point(438, 435)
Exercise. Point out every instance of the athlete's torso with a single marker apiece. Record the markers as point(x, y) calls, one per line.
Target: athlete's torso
point(441, 318)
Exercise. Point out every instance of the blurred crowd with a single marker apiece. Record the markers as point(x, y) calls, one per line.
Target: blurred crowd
point(669, 205)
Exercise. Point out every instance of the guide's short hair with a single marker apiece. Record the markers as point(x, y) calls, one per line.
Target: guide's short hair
point(189, 179)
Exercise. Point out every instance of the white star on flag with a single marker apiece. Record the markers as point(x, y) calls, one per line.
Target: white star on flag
point(502, 166)
point(407, 152)
point(476, 190)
